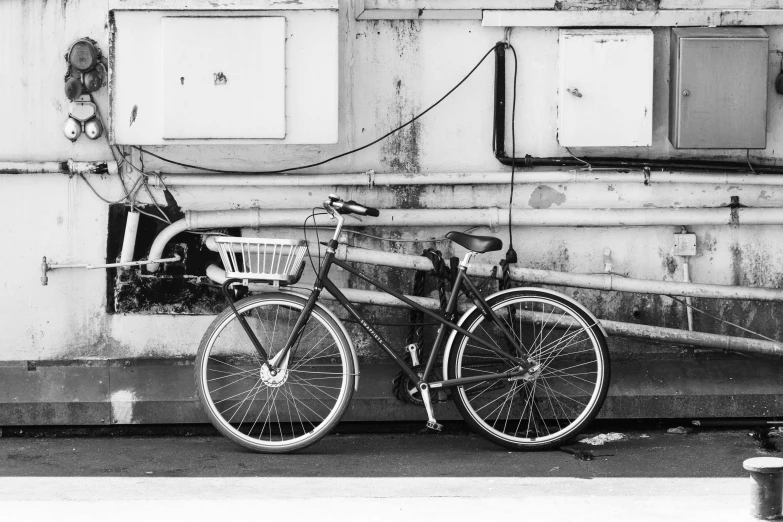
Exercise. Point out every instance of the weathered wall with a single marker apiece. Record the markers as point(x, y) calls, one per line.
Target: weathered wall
point(389, 71)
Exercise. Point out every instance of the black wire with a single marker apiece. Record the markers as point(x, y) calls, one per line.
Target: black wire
point(513, 144)
point(339, 155)
point(317, 240)
point(304, 234)
point(685, 303)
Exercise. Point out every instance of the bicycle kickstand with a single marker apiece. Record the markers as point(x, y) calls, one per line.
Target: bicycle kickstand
point(425, 395)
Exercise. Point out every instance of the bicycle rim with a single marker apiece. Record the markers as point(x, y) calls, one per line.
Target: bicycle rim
point(282, 412)
point(560, 398)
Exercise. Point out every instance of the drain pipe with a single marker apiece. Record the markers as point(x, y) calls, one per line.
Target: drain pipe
point(491, 217)
point(637, 331)
point(58, 167)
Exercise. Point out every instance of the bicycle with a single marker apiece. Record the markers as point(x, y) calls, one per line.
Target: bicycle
point(275, 372)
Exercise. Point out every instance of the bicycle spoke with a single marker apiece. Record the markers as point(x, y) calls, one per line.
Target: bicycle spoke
point(261, 408)
point(550, 403)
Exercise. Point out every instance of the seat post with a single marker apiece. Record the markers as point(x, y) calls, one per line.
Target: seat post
point(465, 263)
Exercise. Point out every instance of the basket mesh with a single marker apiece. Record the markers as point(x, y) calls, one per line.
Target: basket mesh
point(279, 260)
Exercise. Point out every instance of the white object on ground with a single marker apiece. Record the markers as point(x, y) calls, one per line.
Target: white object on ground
point(603, 438)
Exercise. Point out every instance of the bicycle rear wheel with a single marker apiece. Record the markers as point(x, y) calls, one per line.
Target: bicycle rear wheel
point(274, 413)
point(560, 398)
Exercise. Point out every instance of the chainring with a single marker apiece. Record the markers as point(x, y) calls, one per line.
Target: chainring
point(405, 390)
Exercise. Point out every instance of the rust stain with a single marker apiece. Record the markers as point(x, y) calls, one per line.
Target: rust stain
point(609, 5)
point(401, 150)
point(220, 79)
point(669, 263)
point(134, 112)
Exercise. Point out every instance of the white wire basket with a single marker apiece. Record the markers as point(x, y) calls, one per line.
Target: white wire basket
point(278, 261)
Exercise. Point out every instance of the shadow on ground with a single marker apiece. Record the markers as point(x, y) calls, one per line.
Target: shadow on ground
point(195, 452)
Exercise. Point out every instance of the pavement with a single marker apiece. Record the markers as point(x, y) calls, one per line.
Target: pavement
point(646, 475)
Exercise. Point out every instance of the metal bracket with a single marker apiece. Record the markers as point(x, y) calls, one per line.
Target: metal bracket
point(46, 266)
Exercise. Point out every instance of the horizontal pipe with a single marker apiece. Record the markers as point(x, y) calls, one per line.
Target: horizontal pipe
point(491, 217)
point(371, 179)
point(637, 331)
point(670, 335)
point(162, 239)
point(58, 167)
point(572, 217)
point(608, 282)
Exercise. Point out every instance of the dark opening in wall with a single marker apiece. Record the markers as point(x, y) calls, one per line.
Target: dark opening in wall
point(176, 288)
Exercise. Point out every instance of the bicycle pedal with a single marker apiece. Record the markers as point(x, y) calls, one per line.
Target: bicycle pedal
point(434, 426)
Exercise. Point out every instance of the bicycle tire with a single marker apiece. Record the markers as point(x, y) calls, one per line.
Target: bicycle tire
point(551, 410)
point(305, 401)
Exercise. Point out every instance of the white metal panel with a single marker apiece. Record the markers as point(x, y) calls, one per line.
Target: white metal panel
point(223, 77)
point(214, 5)
point(626, 18)
point(606, 81)
point(311, 77)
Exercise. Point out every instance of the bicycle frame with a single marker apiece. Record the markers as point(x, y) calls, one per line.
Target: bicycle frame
point(324, 283)
point(445, 325)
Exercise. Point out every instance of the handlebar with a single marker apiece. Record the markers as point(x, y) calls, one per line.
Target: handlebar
point(349, 207)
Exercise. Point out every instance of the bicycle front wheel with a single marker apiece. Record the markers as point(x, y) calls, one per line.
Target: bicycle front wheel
point(560, 398)
point(274, 413)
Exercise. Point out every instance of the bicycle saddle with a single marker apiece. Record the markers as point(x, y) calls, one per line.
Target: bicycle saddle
point(479, 244)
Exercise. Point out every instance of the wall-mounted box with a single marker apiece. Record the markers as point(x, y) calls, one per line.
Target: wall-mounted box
point(223, 76)
point(210, 90)
point(718, 88)
point(606, 87)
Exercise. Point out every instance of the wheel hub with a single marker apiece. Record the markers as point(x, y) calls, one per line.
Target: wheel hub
point(273, 381)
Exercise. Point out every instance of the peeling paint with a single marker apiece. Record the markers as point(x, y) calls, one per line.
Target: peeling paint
point(544, 197)
point(134, 112)
point(220, 79)
point(122, 404)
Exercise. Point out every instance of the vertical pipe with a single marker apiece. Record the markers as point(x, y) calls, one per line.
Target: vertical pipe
point(129, 241)
point(499, 126)
point(686, 277)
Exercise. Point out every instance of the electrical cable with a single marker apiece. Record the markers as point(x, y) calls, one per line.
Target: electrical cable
point(121, 200)
point(590, 167)
point(513, 145)
point(338, 156)
point(720, 319)
point(317, 238)
point(129, 195)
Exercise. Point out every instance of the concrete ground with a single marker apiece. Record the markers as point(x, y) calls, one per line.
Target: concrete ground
point(648, 475)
